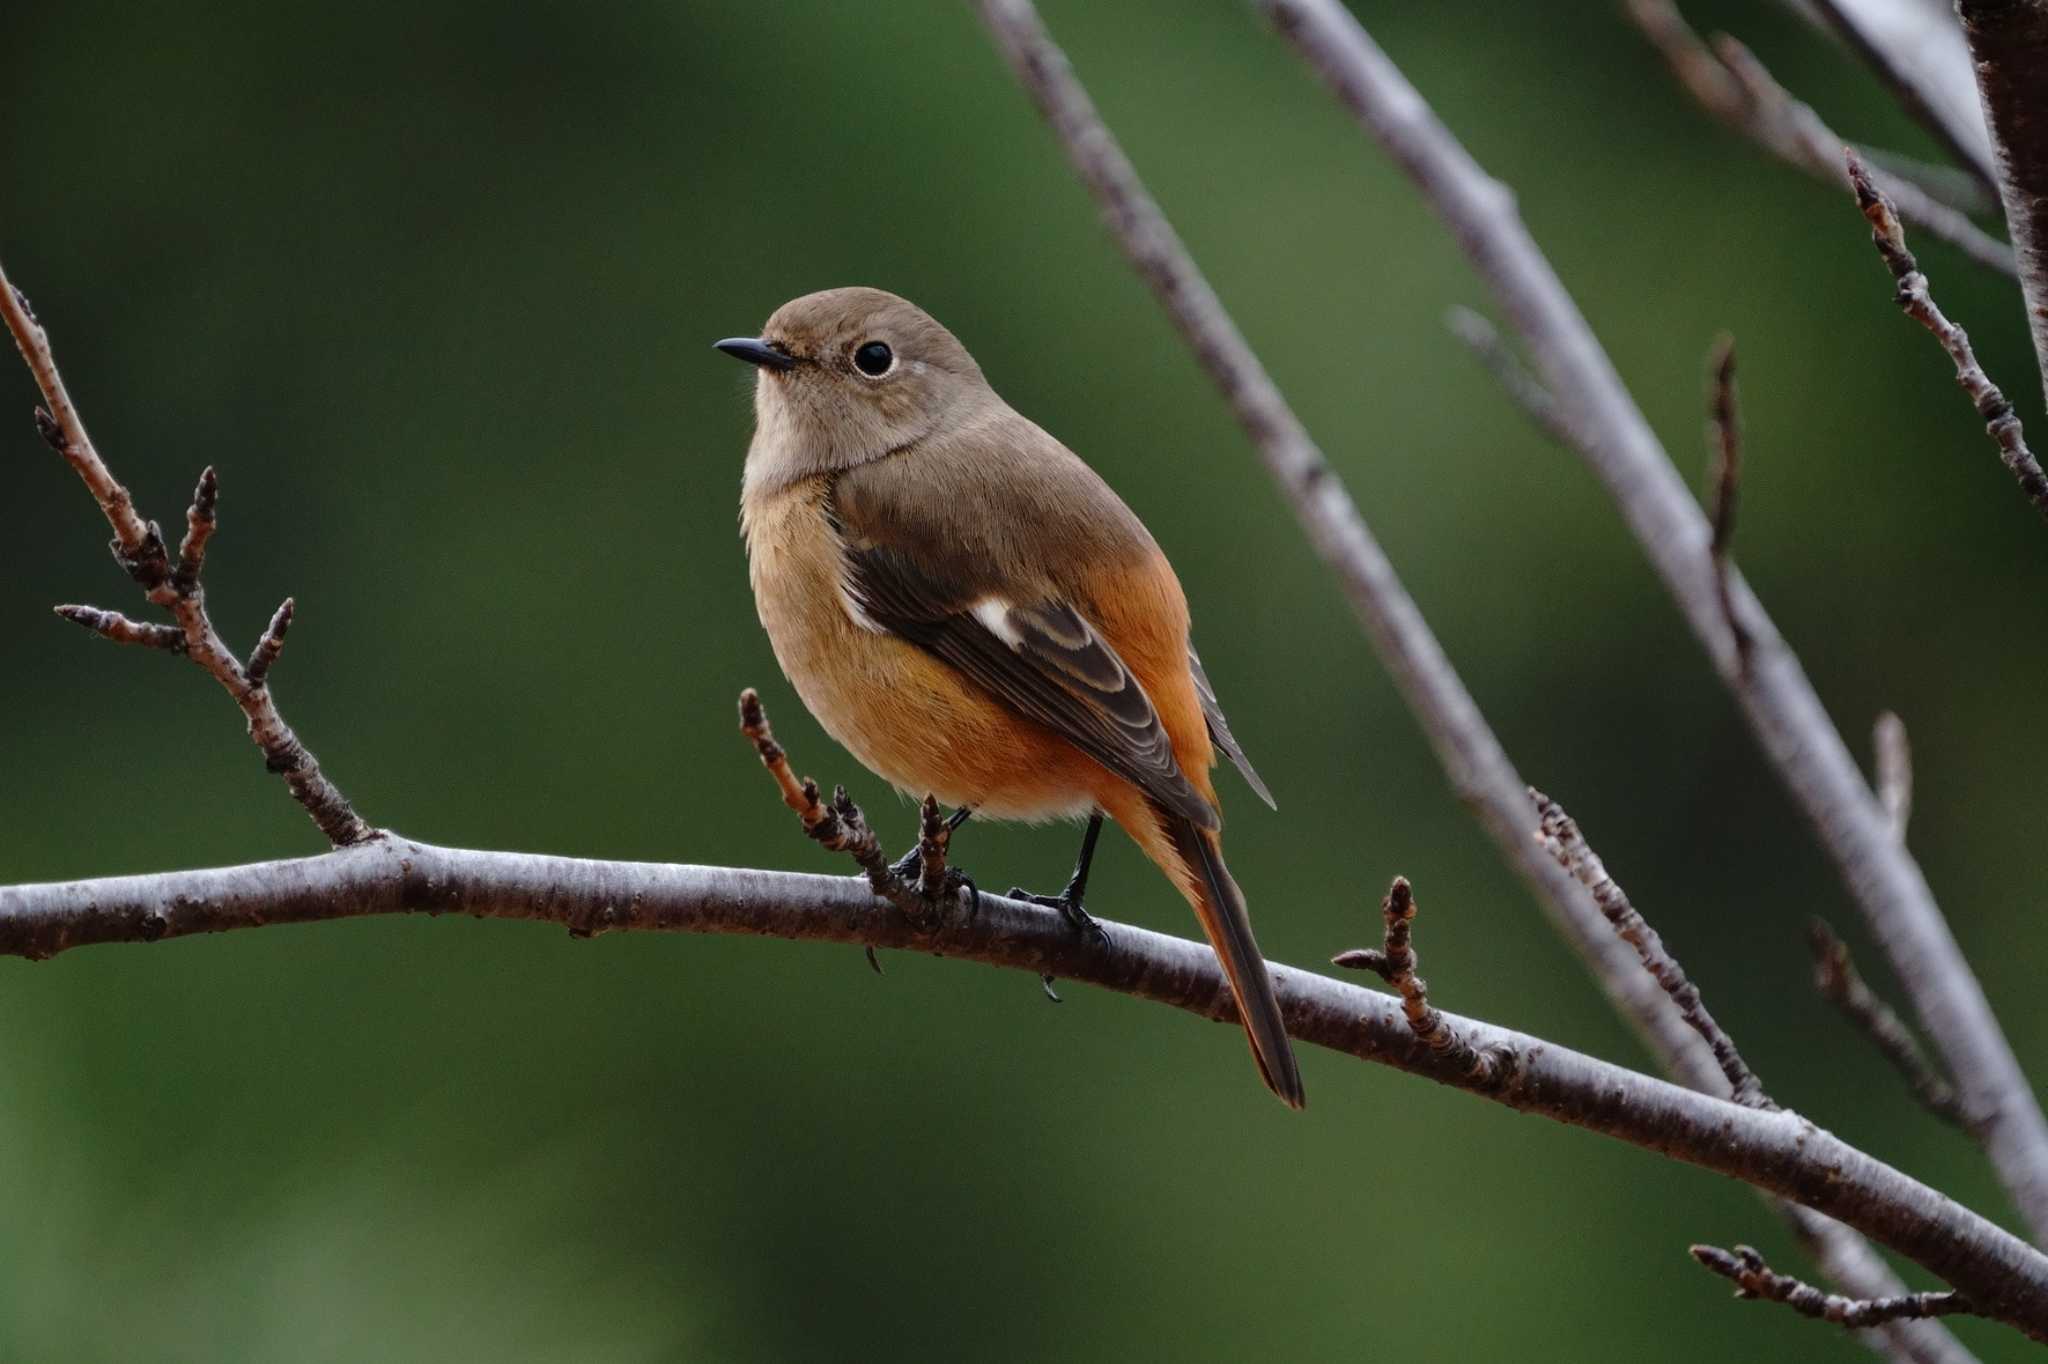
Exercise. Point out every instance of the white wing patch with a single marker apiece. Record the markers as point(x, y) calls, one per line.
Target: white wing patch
point(856, 612)
point(994, 615)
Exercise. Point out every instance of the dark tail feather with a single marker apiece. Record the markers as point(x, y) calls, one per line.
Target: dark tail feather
point(1221, 909)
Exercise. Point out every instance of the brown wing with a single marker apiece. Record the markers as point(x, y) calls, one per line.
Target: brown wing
point(1041, 658)
point(1219, 730)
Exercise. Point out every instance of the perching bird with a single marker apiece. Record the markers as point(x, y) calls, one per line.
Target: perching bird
point(970, 610)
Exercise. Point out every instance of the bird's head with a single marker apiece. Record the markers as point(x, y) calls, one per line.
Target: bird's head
point(848, 376)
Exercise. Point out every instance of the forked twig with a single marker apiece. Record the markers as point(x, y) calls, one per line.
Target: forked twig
point(1395, 963)
point(138, 546)
point(1728, 81)
point(839, 826)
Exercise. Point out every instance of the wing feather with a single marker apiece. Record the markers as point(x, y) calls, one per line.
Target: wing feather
point(1045, 660)
point(1219, 730)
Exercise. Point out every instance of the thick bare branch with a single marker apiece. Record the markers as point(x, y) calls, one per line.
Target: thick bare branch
point(1755, 1279)
point(2009, 41)
point(1768, 683)
point(1777, 1151)
point(1916, 302)
point(1729, 82)
point(139, 548)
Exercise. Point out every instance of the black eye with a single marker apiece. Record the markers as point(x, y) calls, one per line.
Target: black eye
point(873, 359)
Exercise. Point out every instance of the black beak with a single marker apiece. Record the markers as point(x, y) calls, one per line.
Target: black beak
point(766, 354)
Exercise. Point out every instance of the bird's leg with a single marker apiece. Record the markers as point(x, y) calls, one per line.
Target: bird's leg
point(1068, 901)
point(906, 865)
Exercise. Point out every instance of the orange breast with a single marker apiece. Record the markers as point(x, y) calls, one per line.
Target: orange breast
point(911, 719)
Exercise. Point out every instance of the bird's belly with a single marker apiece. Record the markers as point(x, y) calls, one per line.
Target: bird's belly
point(913, 720)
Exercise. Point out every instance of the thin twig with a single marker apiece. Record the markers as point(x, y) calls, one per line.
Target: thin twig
point(139, 548)
point(1514, 378)
point(1894, 770)
point(1395, 962)
point(1792, 726)
point(1841, 984)
point(1854, 1266)
point(200, 520)
point(117, 627)
point(1779, 1152)
point(1561, 838)
point(1729, 82)
point(264, 656)
point(1916, 302)
point(1755, 1279)
point(1724, 440)
point(839, 826)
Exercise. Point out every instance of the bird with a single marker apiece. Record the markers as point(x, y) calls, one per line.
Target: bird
point(971, 611)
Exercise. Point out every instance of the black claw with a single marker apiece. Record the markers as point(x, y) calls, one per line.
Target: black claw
point(1045, 984)
point(1079, 919)
point(873, 961)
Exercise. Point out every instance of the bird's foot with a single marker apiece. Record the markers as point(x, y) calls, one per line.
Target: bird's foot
point(1068, 903)
point(934, 899)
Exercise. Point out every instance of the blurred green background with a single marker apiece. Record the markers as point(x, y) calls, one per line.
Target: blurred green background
point(433, 284)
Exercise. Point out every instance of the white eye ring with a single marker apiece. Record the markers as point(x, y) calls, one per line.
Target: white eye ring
point(877, 353)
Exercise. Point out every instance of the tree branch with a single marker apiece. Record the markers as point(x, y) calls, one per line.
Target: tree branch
point(1916, 302)
point(1395, 962)
point(1894, 771)
point(1724, 440)
point(1755, 1279)
point(139, 548)
point(1514, 378)
point(1478, 768)
point(2009, 44)
point(1729, 82)
point(1842, 985)
point(1918, 52)
point(1768, 683)
point(1561, 838)
point(1777, 1151)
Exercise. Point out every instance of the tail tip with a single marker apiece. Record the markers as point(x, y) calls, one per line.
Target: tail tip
point(1286, 1085)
